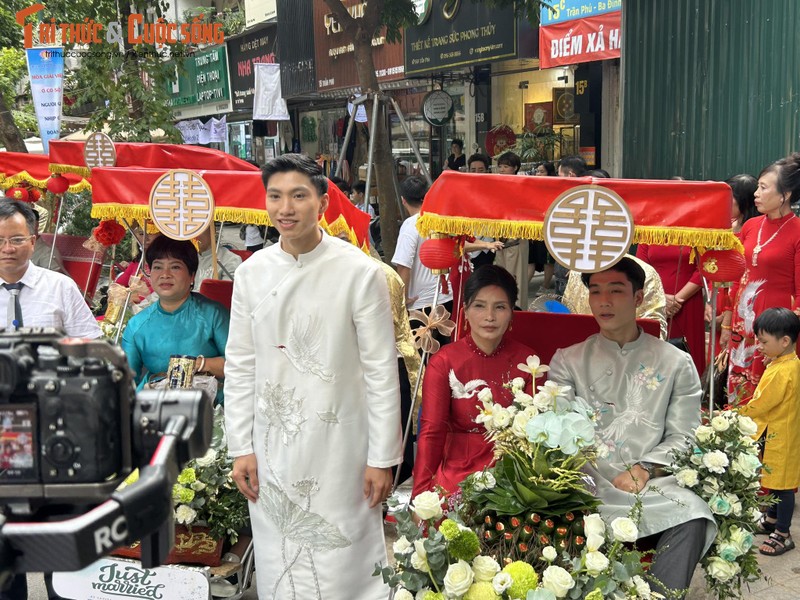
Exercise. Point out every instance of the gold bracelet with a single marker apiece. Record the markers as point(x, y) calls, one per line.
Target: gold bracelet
point(726, 326)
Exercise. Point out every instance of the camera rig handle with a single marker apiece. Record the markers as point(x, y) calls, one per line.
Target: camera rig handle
point(138, 512)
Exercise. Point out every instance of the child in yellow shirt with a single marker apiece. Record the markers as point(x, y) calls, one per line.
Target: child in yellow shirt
point(775, 407)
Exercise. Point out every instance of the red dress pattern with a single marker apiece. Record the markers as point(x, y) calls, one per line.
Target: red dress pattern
point(774, 281)
point(450, 445)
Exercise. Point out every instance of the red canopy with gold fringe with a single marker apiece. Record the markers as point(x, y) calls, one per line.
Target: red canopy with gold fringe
point(686, 213)
point(239, 196)
point(67, 157)
point(19, 167)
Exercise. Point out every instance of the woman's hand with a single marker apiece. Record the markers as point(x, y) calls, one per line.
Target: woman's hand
point(724, 338)
point(674, 304)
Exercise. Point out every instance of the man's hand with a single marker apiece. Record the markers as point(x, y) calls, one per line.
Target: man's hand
point(632, 480)
point(377, 485)
point(245, 474)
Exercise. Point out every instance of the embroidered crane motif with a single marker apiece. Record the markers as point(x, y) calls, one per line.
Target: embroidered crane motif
point(633, 415)
point(303, 350)
point(465, 390)
point(746, 301)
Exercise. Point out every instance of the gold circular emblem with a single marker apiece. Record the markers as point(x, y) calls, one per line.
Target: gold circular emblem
point(99, 151)
point(710, 266)
point(181, 204)
point(588, 228)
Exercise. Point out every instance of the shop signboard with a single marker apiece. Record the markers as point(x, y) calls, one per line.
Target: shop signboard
point(458, 34)
point(335, 52)
point(243, 53)
point(259, 11)
point(578, 31)
point(202, 87)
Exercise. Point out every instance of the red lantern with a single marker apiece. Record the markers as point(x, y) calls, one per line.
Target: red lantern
point(722, 266)
point(57, 184)
point(440, 253)
point(35, 194)
point(109, 233)
point(18, 193)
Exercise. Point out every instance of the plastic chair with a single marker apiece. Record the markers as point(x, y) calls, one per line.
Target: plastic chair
point(82, 265)
point(219, 290)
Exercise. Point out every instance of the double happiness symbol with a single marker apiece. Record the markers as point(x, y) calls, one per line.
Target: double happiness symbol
point(99, 151)
point(588, 228)
point(182, 204)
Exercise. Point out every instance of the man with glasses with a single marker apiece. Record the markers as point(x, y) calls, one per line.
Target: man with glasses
point(31, 296)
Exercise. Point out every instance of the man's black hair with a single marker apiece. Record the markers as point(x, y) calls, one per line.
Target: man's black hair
point(510, 159)
point(165, 247)
point(413, 189)
point(9, 208)
point(296, 162)
point(459, 143)
point(628, 267)
point(360, 187)
point(573, 163)
point(340, 183)
point(778, 321)
point(477, 157)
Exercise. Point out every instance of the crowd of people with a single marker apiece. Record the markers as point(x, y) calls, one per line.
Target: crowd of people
point(318, 363)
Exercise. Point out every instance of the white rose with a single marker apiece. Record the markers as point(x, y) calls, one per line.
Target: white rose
point(594, 542)
point(403, 594)
point(704, 433)
point(596, 563)
point(557, 580)
point(519, 424)
point(722, 570)
point(523, 399)
point(485, 568)
point(747, 426)
point(715, 461)
point(485, 395)
point(197, 486)
point(746, 464)
point(501, 582)
point(420, 562)
point(427, 505)
point(402, 546)
point(642, 587)
point(687, 478)
point(502, 418)
point(720, 423)
point(207, 459)
point(185, 515)
point(549, 554)
point(458, 579)
point(755, 515)
point(624, 529)
point(543, 402)
point(517, 383)
point(594, 524)
point(483, 480)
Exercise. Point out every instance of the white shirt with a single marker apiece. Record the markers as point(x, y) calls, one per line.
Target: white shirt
point(423, 283)
point(252, 236)
point(50, 299)
point(205, 265)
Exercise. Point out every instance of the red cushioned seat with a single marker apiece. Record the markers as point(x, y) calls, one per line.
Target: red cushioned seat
point(219, 290)
point(82, 265)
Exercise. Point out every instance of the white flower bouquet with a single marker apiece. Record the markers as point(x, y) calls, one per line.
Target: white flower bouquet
point(722, 467)
point(205, 493)
point(445, 562)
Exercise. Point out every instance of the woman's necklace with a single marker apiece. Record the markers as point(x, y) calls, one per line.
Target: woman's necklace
point(759, 246)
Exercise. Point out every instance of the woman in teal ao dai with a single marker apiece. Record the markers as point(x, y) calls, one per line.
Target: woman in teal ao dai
point(181, 322)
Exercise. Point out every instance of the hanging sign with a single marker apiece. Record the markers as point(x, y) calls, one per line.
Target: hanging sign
point(99, 151)
point(46, 73)
point(582, 31)
point(438, 108)
point(181, 204)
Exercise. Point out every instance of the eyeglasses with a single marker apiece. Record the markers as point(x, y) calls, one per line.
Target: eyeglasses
point(16, 241)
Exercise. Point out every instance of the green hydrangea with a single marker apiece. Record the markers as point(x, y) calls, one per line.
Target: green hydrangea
point(187, 476)
point(524, 577)
point(449, 529)
point(465, 546)
point(481, 590)
point(595, 594)
point(182, 495)
point(429, 595)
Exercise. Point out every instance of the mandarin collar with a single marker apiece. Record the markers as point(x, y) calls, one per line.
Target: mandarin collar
point(474, 347)
point(308, 257)
point(612, 345)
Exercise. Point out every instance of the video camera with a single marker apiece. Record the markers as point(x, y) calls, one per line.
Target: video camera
point(72, 429)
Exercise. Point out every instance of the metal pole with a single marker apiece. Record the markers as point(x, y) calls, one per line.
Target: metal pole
point(122, 317)
point(89, 277)
point(410, 420)
point(371, 152)
point(55, 233)
point(219, 234)
point(713, 339)
point(410, 137)
point(347, 135)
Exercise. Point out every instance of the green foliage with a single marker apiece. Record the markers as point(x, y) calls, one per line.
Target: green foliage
point(12, 69)
point(10, 32)
point(25, 120)
point(76, 218)
point(232, 21)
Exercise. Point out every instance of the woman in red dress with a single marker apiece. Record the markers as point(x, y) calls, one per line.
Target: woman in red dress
point(772, 277)
point(450, 444)
point(682, 287)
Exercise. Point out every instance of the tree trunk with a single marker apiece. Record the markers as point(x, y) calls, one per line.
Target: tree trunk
point(10, 135)
point(361, 32)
